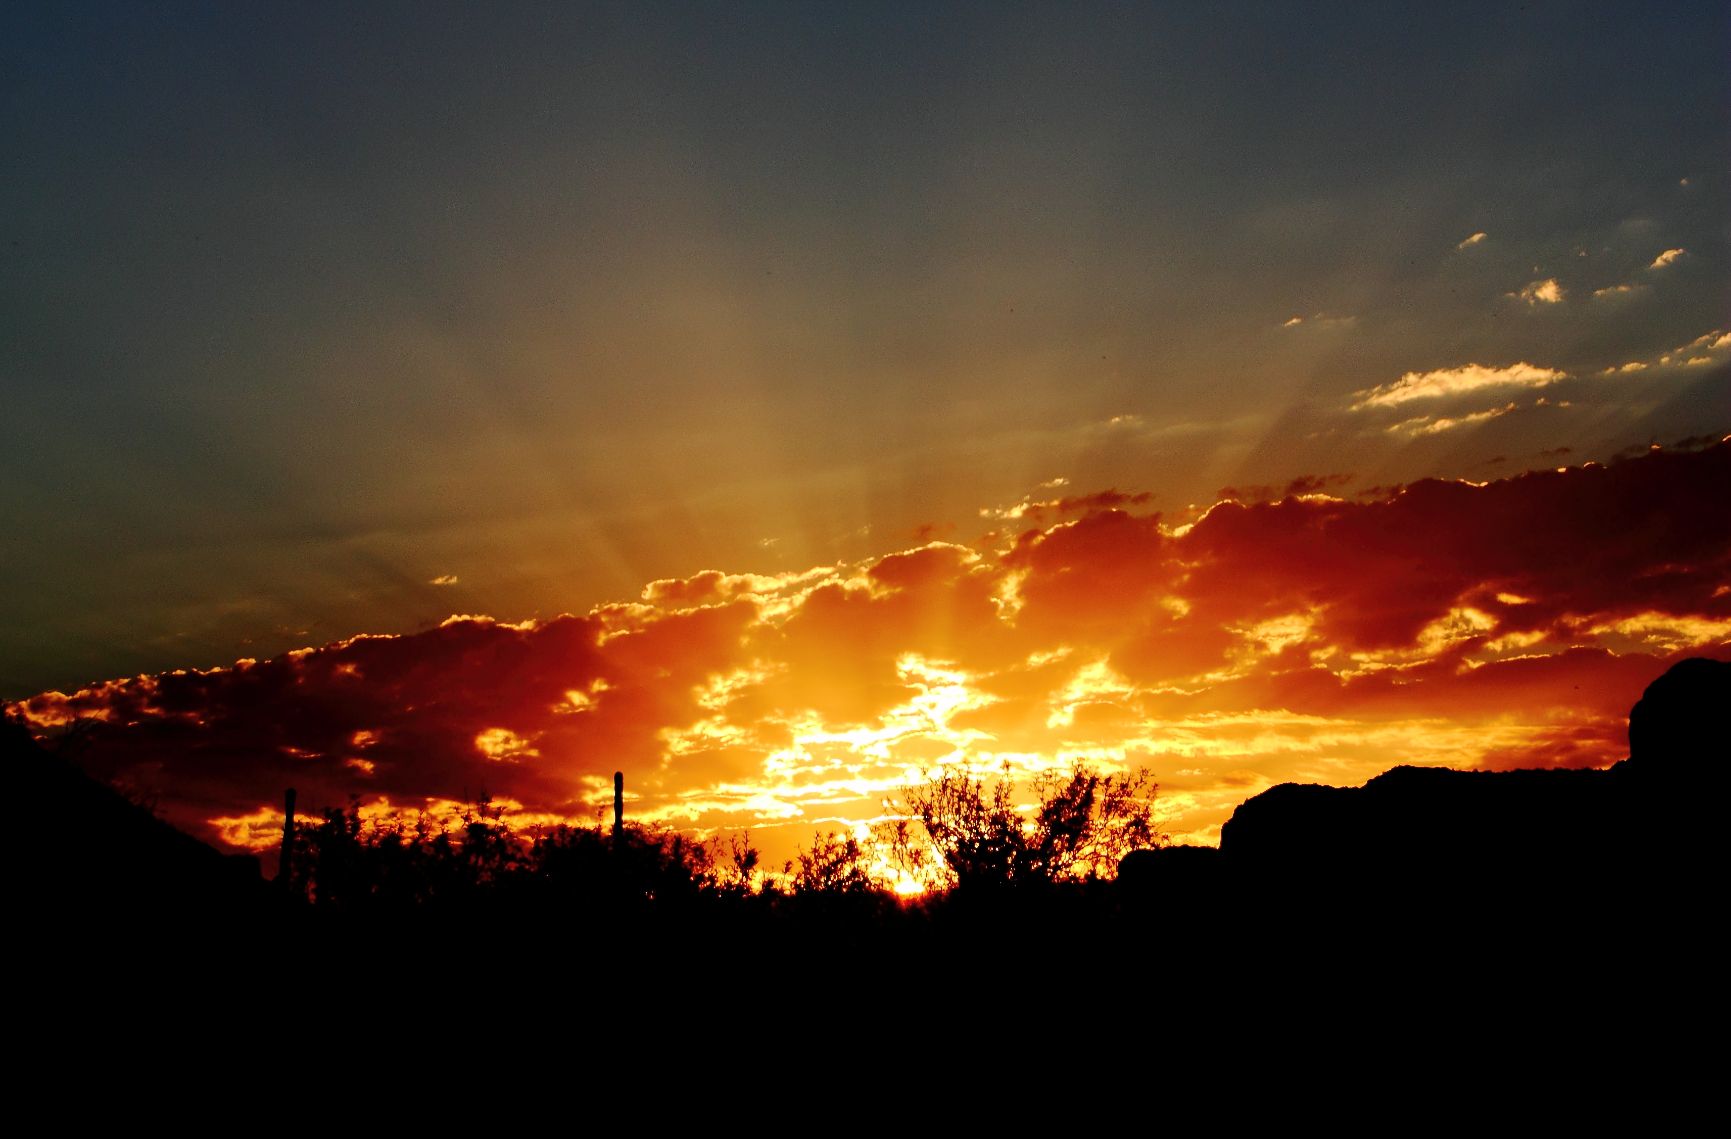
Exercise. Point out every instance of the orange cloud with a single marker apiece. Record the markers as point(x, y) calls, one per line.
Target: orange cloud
point(1294, 636)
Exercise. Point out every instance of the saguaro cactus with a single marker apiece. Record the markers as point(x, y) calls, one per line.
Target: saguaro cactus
point(618, 804)
point(285, 871)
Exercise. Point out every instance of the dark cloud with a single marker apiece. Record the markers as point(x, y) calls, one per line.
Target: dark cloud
point(1652, 534)
point(1101, 500)
point(1303, 484)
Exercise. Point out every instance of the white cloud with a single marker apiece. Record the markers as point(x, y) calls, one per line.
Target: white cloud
point(1707, 341)
point(1425, 425)
point(1610, 291)
point(1704, 349)
point(1545, 292)
point(444, 579)
point(1473, 240)
point(1667, 258)
point(1293, 321)
point(1453, 381)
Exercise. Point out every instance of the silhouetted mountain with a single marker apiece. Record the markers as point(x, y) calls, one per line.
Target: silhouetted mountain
point(81, 853)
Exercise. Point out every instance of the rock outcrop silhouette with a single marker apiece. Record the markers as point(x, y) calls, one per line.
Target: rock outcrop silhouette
point(1414, 836)
point(1677, 728)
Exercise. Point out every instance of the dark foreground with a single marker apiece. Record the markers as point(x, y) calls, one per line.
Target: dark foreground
point(1524, 912)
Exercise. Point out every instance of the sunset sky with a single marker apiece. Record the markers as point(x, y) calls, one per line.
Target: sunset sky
point(772, 401)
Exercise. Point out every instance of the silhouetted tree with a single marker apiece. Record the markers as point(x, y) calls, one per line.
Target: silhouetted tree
point(954, 830)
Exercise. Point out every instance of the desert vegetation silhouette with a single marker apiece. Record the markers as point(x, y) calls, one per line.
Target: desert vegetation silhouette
point(954, 833)
point(1417, 860)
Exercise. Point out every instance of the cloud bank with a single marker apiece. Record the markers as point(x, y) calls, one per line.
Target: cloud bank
point(1304, 638)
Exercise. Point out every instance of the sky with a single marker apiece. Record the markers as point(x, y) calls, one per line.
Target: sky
point(772, 400)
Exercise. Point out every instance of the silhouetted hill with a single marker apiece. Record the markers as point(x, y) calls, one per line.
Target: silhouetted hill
point(1429, 820)
point(82, 853)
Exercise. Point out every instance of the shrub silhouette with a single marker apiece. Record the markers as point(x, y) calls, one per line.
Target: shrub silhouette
point(952, 832)
point(836, 864)
point(348, 862)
